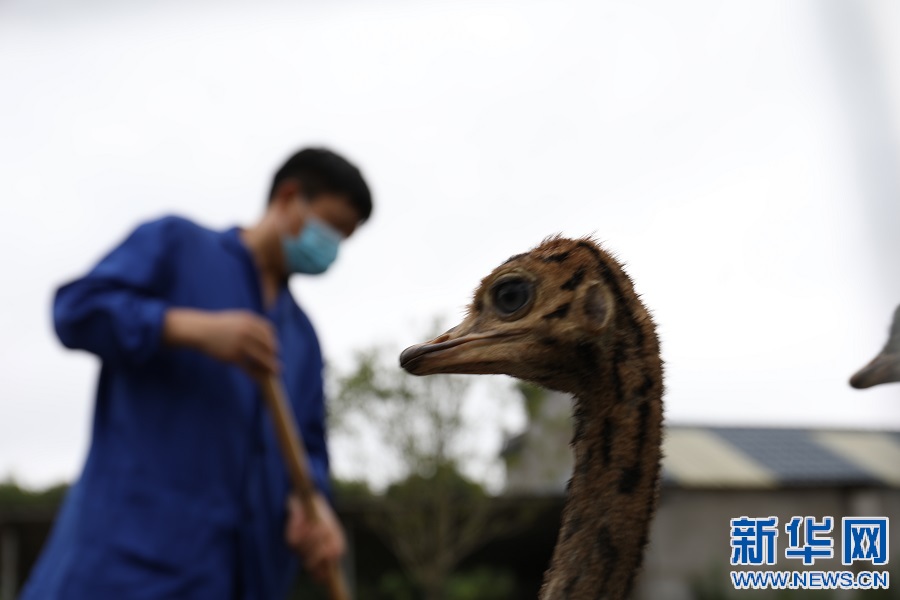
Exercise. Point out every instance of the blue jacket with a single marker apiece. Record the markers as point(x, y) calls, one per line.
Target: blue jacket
point(183, 492)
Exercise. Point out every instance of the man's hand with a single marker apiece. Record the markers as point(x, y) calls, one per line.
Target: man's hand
point(240, 337)
point(320, 544)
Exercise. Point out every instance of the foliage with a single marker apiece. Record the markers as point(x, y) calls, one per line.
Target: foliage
point(418, 419)
point(351, 490)
point(432, 516)
point(13, 496)
point(432, 522)
point(397, 586)
point(481, 583)
point(534, 397)
point(711, 585)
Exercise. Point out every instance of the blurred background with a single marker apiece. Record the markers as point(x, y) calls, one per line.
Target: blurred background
point(741, 158)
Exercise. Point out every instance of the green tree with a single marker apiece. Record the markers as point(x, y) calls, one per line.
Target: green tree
point(432, 516)
point(14, 496)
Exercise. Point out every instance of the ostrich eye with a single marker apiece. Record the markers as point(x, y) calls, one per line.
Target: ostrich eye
point(511, 295)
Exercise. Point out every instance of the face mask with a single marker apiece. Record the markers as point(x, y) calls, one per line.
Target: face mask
point(312, 250)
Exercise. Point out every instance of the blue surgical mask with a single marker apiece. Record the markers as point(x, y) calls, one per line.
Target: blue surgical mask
point(313, 249)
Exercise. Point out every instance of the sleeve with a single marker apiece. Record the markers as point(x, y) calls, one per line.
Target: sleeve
point(116, 311)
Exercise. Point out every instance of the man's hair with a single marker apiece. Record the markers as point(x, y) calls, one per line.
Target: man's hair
point(320, 170)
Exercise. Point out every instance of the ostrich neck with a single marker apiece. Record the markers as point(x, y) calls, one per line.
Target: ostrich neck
point(613, 490)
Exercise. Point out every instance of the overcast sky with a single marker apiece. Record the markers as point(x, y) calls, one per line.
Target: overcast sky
point(741, 158)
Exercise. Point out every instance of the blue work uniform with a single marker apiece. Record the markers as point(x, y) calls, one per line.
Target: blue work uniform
point(183, 493)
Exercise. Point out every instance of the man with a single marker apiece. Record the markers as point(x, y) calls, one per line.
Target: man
point(184, 494)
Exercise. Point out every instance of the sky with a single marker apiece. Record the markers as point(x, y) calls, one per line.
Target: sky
point(740, 158)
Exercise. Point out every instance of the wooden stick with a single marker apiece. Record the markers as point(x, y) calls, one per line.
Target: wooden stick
point(294, 455)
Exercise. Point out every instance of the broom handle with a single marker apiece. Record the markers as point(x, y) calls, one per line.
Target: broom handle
point(294, 455)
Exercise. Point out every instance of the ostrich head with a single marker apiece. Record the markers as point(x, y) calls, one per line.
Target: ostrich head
point(543, 316)
point(884, 368)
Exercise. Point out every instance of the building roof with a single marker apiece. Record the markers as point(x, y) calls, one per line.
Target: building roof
point(744, 458)
point(779, 457)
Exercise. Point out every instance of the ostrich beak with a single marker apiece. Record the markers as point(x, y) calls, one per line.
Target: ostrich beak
point(884, 368)
point(459, 351)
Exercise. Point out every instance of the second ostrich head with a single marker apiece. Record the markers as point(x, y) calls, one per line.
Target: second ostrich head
point(885, 367)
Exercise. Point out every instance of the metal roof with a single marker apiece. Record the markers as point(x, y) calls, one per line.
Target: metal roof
point(775, 457)
point(733, 457)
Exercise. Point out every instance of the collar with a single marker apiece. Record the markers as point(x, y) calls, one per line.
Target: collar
point(231, 239)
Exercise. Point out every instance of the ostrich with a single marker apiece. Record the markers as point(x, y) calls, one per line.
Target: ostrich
point(565, 316)
point(884, 368)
